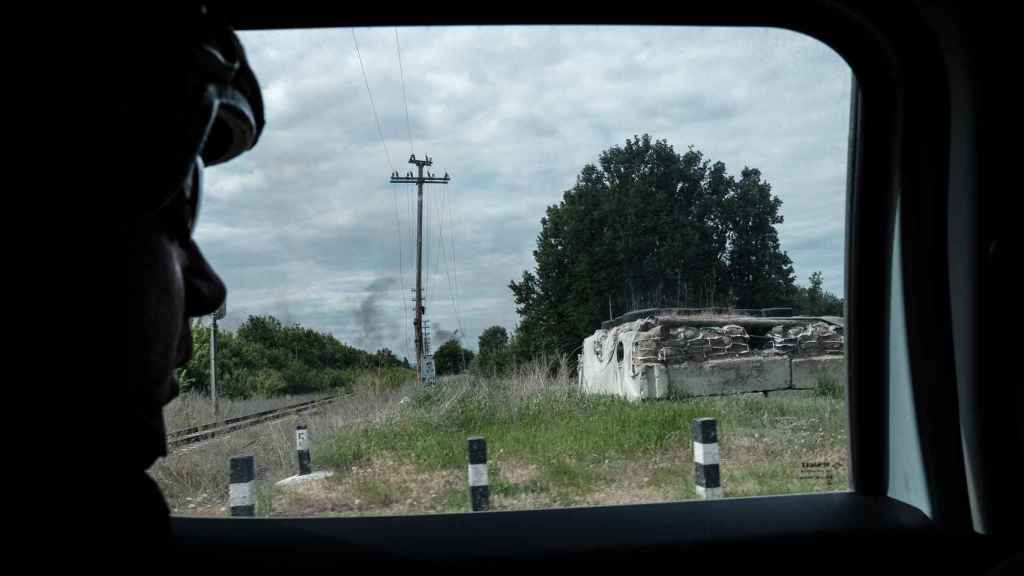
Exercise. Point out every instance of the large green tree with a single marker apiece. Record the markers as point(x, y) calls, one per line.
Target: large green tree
point(451, 358)
point(649, 227)
point(759, 272)
point(495, 356)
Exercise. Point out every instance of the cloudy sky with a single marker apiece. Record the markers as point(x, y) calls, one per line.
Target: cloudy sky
point(307, 227)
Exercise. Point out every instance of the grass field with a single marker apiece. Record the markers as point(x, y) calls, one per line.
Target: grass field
point(404, 451)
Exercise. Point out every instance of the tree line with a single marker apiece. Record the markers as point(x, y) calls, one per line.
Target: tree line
point(263, 357)
point(648, 227)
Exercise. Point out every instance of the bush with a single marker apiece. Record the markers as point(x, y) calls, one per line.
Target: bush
point(379, 380)
point(267, 382)
point(265, 358)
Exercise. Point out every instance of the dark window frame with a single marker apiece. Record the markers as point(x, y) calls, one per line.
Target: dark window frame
point(900, 128)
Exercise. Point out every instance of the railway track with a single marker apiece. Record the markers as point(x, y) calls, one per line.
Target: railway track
point(203, 432)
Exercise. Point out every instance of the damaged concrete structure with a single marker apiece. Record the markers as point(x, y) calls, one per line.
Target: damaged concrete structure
point(663, 353)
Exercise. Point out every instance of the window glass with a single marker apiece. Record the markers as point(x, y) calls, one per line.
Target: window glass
point(553, 197)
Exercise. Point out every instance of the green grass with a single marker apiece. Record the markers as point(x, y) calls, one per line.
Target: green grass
point(377, 493)
point(581, 443)
point(554, 430)
point(829, 387)
point(263, 497)
point(513, 490)
point(548, 446)
point(456, 499)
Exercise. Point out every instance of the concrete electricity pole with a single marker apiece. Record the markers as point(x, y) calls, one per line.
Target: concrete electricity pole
point(219, 314)
point(419, 180)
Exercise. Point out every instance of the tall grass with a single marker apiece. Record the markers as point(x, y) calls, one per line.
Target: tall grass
point(541, 417)
point(404, 450)
point(193, 409)
point(198, 476)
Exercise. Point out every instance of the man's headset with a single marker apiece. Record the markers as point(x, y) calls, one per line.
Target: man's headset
point(222, 116)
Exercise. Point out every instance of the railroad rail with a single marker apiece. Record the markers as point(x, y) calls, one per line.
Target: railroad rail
point(202, 432)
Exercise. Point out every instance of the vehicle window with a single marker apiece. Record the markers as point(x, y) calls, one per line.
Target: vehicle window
point(446, 235)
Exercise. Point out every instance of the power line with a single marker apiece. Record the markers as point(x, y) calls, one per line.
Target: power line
point(439, 224)
point(405, 99)
point(373, 106)
point(440, 239)
point(410, 202)
point(431, 249)
point(401, 277)
point(442, 253)
point(426, 232)
point(410, 192)
point(398, 226)
point(439, 215)
point(451, 288)
point(455, 268)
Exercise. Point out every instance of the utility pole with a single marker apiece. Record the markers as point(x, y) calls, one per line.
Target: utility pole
point(219, 314)
point(213, 367)
point(426, 334)
point(419, 180)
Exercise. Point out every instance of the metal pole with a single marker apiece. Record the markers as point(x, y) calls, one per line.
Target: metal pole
point(419, 274)
point(213, 366)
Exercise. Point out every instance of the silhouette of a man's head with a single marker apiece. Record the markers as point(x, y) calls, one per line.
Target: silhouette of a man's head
point(215, 114)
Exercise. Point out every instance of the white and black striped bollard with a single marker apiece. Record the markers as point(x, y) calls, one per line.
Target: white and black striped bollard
point(302, 447)
point(706, 458)
point(479, 490)
point(243, 472)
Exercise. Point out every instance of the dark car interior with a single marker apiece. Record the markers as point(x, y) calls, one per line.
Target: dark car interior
point(927, 344)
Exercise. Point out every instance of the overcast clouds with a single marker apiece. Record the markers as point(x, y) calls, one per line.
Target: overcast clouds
point(304, 226)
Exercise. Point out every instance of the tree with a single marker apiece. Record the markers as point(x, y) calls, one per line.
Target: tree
point(495, 355)
point(760, 274)
point(451, 358)
point(815, 301)
point(648, 227)
point(493, 340)
point(262, 330)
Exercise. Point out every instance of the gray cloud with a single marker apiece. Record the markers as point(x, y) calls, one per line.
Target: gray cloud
point(306, 225)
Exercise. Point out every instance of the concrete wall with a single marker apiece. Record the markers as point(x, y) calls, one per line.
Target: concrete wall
point(729, 376)
point(808, 371)
point(604, 374)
